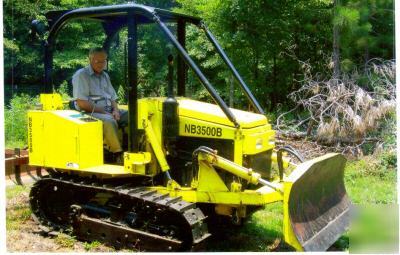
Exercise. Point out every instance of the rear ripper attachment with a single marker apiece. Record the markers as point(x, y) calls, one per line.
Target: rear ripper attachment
point(120, 216)
point(17, 168)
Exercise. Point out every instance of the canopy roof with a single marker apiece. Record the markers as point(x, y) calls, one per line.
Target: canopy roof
point(114, 17)
point(117, 15)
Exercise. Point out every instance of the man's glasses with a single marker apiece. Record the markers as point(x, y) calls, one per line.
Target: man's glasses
point(100, 61)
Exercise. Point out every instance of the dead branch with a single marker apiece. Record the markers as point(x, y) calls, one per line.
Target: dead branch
point(342, 113)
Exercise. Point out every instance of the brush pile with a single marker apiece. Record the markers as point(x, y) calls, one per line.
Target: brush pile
point(342, 112)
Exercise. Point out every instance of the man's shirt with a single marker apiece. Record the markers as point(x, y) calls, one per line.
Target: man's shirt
point(87, 83)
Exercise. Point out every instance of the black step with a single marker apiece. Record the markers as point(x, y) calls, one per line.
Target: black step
point(169, 200)
point(182, 206)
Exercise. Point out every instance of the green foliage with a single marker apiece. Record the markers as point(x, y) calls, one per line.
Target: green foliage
point(264, 39)
point(388, 131)
point(346, 17)
point(19, 215)
point(16, 190)
point(15, 118)
point(65, 241)
point(372, 179)
point(122, 95)
point(366, 31)
point(389, 160)
point(91, 246)
point(63, 91)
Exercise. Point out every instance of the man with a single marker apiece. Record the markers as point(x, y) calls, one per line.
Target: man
point(91, 81)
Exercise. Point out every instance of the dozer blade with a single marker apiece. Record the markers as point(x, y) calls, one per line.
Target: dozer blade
point(316, 205)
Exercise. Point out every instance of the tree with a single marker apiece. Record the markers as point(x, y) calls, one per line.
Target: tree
point(366, 31)
point(264, 39)
point(261, 38)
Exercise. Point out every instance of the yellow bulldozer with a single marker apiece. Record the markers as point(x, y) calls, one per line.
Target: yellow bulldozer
point(185, 161)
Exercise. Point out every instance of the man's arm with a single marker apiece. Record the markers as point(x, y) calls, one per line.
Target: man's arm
point(88, 106)
point(115, 112)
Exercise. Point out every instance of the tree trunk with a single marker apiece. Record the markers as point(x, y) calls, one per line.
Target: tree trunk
point(336, 44)
point(274, 78)
point(366, 55)
point(256, 60)
point(231, 89)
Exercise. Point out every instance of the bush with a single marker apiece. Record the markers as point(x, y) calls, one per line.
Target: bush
point(15, 115)
point(382, 165)
point(63, 91)
point(389, 159)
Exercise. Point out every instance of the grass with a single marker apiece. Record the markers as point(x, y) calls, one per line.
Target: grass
point(91, 246)
point(15, 144)
point(18, 210)
point(372, 180)
point(65, 241)
point(14, 191)
point(261, 232)
point(17, 217)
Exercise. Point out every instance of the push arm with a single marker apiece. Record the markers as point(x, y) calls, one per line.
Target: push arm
point(211, 157)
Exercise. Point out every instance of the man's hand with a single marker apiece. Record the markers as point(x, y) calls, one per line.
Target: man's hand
point(115, 114)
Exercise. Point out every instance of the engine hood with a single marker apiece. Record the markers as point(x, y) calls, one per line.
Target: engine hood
point(213, 113)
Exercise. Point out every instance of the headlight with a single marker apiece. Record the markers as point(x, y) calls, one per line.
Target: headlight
point(271, 141)
point(259, 143)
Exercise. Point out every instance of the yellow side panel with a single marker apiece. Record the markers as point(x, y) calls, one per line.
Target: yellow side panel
point(61, 139)
point(90, 148)
point(61, 145)
point(35, 138)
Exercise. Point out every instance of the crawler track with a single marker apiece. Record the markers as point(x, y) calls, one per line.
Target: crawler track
point(120, 216)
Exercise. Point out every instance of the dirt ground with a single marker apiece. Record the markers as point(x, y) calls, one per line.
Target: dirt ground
point(24, 235)
point(308, 149)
